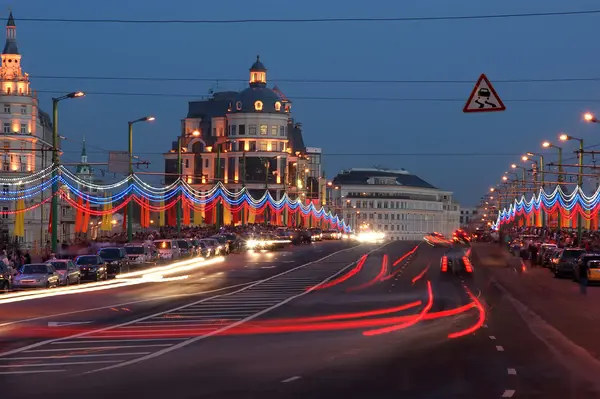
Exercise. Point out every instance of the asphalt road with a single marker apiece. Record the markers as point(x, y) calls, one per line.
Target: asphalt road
point(388, 325)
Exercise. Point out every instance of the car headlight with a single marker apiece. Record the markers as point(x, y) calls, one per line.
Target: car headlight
point(252, 243)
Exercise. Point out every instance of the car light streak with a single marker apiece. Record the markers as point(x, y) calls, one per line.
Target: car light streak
point(476, 303)
point(400, 259)
point(407, 324)
point(147, 276)
point(468, 266)
point(345, 277)
point(343, 316)
point(420, 275)
point(444, 264)
point(380, 276)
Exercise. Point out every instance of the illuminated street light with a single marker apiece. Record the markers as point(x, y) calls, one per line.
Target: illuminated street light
point(546, 144)
point(589, 117)
point(492, 189)
point(524, 158)
point(504, 178)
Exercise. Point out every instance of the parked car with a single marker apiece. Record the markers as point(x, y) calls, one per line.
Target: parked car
point(37, 275)
point(168, 250)
point(68, 271)
point(92, 267)
point(138, 254)
point(565, 261)
point(116, 259)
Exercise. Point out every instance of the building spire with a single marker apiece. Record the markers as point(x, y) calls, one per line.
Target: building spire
point(11, 36)
point(83, 152)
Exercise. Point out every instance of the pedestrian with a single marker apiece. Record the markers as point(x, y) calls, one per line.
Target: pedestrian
point(583, 277)
point(27, 258)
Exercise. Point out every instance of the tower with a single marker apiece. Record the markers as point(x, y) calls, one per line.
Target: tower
point(11, 59)
point(84, 169)
point(258, 74)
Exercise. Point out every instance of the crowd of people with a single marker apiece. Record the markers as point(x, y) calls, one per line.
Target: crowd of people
point(563, 238)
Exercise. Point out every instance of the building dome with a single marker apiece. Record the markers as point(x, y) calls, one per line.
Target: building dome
point(258, 66)
point(259, 100)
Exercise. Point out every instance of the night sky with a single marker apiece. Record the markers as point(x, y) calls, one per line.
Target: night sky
point(473, 150)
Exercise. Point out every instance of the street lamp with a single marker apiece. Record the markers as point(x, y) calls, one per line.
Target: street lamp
point(130, 204)
point(566, 137)
point(56, 163)
point(547, 144)
point(589, 117)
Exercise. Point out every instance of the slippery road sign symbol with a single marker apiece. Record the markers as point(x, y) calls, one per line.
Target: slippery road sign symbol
point(484, 98)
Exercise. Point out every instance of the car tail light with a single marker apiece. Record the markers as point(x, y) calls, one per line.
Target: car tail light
point(468, 266)
point(444, 263)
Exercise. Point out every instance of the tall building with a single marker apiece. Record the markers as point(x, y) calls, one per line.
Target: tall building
point(243, 139)
point(395, 202)
point(26, 141)
point(316, 177)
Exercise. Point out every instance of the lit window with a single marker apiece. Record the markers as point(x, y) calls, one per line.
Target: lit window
point(277, 106)
point(264, 130)
point(238, 105)
point(23, 128)
point(23, 109)
point(273, 130)
point(258, 105)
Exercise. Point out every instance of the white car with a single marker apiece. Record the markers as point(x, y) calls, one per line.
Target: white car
point(37, 275)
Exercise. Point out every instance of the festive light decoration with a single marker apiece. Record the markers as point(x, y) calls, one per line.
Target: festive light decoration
point(78, 193)
point(568, 205)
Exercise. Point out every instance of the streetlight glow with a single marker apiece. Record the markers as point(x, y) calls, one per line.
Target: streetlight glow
point(492, 189)
point(589, 117)
point(513, 166)
point(504, 178)
point(524, 158)
point(76, 94)
point(150, 118)
point(196, 133)
point(546, 144)
point(564, 137)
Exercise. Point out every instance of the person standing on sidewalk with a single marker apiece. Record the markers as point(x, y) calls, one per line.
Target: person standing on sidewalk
point(583, 277)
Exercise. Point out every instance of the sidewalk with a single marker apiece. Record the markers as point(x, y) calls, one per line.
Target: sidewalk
point(556, 301)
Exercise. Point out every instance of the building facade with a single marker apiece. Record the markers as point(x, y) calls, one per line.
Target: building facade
point(468, 216)
point(395, 202)
point(242, 139)
point(26, 142)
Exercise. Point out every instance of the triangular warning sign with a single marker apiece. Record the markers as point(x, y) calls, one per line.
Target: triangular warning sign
point(484, 98)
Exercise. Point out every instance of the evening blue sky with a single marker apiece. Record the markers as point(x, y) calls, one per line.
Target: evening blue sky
point(516, 48)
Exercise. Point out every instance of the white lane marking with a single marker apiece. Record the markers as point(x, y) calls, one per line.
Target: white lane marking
point(508, 393)
point(10, 366)
point(66, 323)
point(492, 338)
point(500, 348)
point(511, 371)
point(294, 378)
point(87, 333)
point(268, 267)
point(85, 340)
point(31, 372)
point(485, 326)
point(235, 324)
point(85, 348)
point(70, 356)
point(123, 304)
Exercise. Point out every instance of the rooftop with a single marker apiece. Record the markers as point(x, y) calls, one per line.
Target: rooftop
point(367, 176)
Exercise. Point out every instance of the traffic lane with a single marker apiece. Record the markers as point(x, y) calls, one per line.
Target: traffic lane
point(325, 363)
point(234, 270)
point(67, 323)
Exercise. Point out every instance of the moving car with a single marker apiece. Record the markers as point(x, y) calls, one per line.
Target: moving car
point(167, 250)
point(332, 235)
point(138, 254)
point(456, 263)
point(92, 267)
point(116, 259)
point(593, 263)
point(68, 271)
point(37, 275)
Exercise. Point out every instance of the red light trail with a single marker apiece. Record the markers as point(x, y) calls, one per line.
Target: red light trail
point(345, 277)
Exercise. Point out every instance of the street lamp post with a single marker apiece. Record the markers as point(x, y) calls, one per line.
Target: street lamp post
point(547, 144)
point(541, 165)
point(130, 204)
point(566, 137)
point(56, 163)
point(591, 118)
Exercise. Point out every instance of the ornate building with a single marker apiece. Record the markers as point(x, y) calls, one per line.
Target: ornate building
point(26, 137)
point(243, 139)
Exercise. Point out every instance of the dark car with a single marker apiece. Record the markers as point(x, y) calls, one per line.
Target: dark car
point(564, 264)
point(92, 267)
point(456, 263)
point(116, 259)
point(302, 237)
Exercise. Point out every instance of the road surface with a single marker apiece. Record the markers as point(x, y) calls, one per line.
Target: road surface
point(326, 320)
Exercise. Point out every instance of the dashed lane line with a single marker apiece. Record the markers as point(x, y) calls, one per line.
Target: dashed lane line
point(511, 371)
point(508, 393)
point(492, 338)
point(294, 378)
